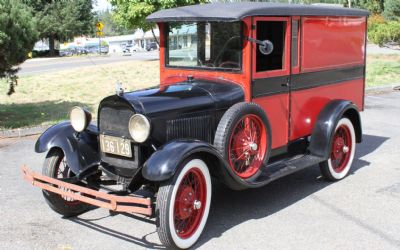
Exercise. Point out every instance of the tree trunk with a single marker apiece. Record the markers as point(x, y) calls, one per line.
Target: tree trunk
point(51, 46)
point(155, 38)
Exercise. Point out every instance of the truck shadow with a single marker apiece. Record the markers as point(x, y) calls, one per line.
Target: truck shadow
point(230, 208)
point(142, 242)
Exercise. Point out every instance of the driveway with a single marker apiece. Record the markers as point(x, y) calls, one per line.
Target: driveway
point(301, 211)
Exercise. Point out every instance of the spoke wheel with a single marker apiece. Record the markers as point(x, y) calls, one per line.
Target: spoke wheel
point(243, 137)
point(342, 151)
point(189, 203)
point(247, 146)
point(62, 170)
point(341, 148)
point(183, 204)
point(56, 166)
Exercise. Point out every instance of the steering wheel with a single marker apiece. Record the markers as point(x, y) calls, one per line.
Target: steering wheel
point(224, 49)
point(229, 64)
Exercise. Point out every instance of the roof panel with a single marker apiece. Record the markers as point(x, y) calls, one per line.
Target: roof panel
point(237, 11)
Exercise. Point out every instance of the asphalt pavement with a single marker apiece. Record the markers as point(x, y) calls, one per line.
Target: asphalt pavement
point(48, 65)
point(300, 211)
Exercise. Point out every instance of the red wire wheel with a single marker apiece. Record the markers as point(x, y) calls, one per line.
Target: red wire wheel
point(189, 203)
point(56, 166)
point(183, 205)
point(243, 137)
point(342, 151)
point(247, 146)
point(62, 170)
point(341, 148)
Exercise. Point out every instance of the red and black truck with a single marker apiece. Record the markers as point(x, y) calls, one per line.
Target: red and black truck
point(248, 93)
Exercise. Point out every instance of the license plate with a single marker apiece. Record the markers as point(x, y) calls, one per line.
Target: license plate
point(115, 145)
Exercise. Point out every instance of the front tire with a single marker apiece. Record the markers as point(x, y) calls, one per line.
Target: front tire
point(55, 166)
point(342, 153)
point(183, 204)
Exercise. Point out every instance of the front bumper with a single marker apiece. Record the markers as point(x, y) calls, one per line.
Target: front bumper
point(127, 204)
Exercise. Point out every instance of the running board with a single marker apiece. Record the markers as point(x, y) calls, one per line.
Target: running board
point(283, 168)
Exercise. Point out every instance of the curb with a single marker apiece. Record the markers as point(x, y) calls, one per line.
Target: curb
point(22, 132)
point(381, 89)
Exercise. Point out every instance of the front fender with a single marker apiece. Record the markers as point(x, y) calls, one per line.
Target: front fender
point(80, 149)
point(163, 163)
point(324, 128)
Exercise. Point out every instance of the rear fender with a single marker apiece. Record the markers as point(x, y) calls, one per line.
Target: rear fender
point(80, 149)
point(324, 128)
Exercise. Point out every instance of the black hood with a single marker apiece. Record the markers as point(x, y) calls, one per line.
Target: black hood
point(184, 97)
point(185, 105)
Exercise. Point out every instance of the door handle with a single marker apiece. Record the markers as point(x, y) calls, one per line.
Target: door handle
point(285, 84)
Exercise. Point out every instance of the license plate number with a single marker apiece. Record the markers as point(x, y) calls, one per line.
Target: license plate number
point(115, 145)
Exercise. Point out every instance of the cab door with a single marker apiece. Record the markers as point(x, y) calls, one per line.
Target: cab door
point(271, 75)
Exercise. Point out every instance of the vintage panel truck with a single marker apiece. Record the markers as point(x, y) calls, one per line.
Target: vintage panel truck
point(249, 93)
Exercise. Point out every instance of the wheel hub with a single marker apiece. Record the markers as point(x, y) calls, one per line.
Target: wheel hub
point(247, 146)
point(253, 146)
point(339, 147)
point(186, 201)
point(197, 204)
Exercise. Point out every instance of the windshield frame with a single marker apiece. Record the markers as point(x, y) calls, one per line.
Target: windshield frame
point(202, 68)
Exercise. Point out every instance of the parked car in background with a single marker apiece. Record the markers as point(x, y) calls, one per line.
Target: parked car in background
point(151, 46)
point(257, 94)
point(104, 49)
point(66, 52)
point(129, 49)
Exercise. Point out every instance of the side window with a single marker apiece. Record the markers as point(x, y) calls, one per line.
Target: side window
point(273, 31)
point(295, 37)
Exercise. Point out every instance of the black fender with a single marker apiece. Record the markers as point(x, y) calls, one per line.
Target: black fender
point(324, 128)
point(80, 149)
point(163, 163)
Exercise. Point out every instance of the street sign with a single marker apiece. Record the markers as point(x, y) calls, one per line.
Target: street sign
point(99, 33)
point(99, 26)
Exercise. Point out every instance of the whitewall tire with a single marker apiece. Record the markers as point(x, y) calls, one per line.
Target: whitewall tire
point(342, 153)
point(183, 205)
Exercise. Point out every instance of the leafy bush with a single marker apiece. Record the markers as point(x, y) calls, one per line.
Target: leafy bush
point(17, 37)
point(392, 10)
point(381, 31)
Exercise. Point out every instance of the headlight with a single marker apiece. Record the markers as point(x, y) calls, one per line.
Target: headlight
point(80, 118)
point(139, 128)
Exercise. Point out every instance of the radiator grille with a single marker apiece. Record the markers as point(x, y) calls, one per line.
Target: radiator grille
point(115, 120)
point(199, 127)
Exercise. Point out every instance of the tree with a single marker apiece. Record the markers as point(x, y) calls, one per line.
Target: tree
point(111, 28)
point(392, 10)
point(373, 6)
point(132, 13)
point(62, 20)
point(17, 38)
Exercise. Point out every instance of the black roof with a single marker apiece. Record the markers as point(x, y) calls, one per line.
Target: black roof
point(237, 11)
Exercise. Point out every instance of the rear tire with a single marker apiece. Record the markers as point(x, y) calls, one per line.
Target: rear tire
point(55, 166)
point(183, 204)
point(342, 153)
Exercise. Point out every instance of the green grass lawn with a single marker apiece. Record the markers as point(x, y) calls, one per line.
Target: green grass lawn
point(383, 70)
point(47, 98)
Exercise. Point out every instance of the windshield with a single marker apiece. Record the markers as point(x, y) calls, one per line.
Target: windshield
point(212, 45)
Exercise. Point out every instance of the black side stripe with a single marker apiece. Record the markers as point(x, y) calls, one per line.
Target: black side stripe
point(278, 85)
